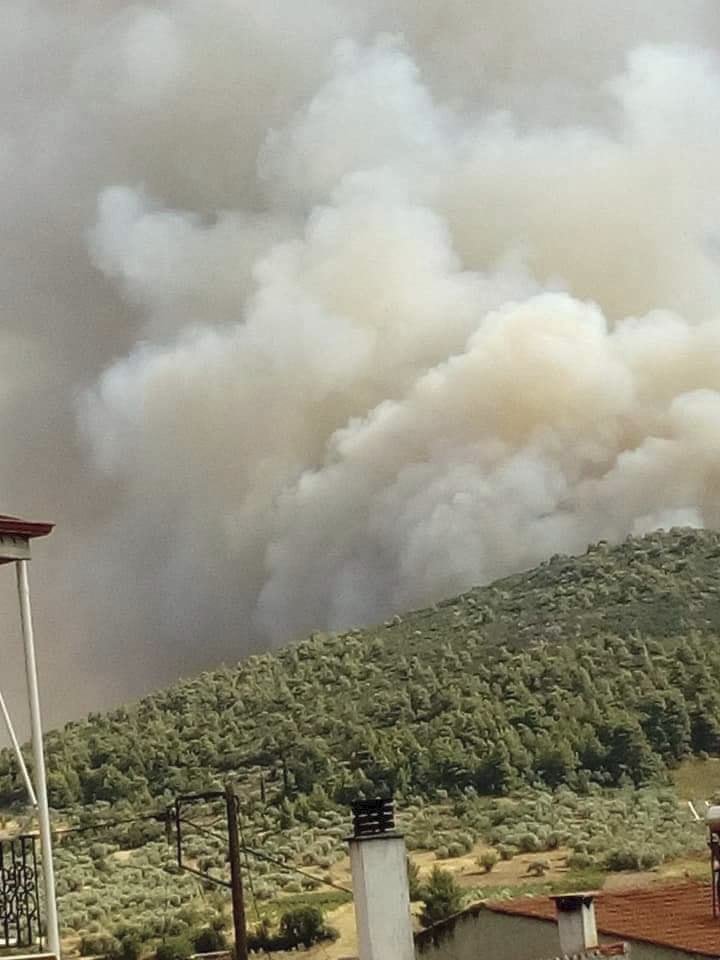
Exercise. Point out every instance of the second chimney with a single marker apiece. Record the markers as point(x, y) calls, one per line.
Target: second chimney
point(576, 922)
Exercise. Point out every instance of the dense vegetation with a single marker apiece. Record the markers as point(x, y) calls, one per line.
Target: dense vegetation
point(596, 668)
point(566, 687)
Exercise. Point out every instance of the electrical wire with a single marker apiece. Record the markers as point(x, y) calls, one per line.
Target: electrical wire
point(247, 850)
point(265, 856)
point(302, 873)
point(102, 824)
point(163, 817)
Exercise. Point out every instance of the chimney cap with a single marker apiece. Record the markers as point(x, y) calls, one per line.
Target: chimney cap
point(568, 902)
point(373, 818)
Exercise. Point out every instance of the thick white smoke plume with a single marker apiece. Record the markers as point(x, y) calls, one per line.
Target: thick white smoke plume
point(315, 311)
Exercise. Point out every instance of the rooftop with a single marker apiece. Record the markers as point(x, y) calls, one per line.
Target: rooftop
point(673, 915)
point(14, 526)
point(15, 537)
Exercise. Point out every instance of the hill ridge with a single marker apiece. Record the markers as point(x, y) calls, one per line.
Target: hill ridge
point(448, 697)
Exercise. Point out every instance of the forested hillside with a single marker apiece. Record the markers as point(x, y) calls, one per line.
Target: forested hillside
point(597, 668)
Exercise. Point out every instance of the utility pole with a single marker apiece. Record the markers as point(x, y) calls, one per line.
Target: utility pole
point(236, 887)
point(235, 884)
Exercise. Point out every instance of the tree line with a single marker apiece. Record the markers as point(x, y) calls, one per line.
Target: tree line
point(448, 699)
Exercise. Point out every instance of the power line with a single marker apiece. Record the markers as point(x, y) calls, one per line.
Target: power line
point(102, 824)
point(163, 818)
point(265, 856)
point(302, 873)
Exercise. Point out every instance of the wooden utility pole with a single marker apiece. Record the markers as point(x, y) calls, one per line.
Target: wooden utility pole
point(236, 887)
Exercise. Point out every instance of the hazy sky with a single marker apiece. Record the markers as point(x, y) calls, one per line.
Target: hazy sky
point(315, 311)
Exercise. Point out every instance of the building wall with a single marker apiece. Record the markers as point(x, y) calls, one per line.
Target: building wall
point(485, 935)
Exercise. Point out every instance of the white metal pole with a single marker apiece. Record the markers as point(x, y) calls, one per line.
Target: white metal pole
point(18, 752)
point(51, 917)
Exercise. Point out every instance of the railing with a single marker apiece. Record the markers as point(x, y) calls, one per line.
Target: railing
point(19, 898)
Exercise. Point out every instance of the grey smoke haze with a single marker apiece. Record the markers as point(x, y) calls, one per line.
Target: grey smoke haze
point(315, 311)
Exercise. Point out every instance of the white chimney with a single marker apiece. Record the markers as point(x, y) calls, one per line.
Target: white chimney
point(576, 922)
point(378, 859)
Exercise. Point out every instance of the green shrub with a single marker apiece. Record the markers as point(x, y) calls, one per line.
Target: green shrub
point(129, 948)
point(580, 861)
point(466, 840)
point(529, 843)
point(552, 841)
point(174, 948)
point(99, 945)
point(260, 937)
point(650, 858)
point(209, 941)
point(488, 859)
point(303, 926)
point(442, 896)
point(617, 860)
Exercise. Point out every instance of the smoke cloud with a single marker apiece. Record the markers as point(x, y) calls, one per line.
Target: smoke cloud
point(315, 312)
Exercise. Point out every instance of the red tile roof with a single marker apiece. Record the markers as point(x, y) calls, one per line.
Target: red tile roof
point(673, 915)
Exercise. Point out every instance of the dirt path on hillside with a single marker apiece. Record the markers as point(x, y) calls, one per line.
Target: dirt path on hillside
point(505, 873)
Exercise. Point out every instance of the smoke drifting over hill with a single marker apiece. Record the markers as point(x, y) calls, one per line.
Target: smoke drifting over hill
point(317, 311)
